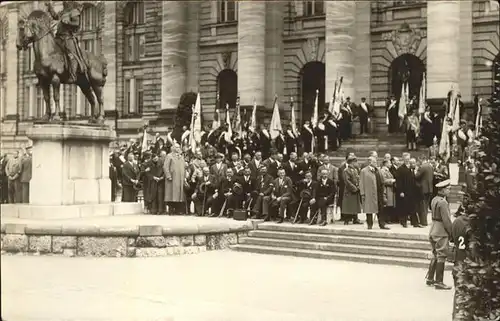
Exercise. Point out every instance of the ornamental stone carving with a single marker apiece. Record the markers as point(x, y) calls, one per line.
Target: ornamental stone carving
point(313, 44)
point(226, 59)
point(406, 39)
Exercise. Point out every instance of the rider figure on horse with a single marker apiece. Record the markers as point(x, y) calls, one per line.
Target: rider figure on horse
point(69, 24)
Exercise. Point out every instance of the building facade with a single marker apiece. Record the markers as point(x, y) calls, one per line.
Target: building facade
point(157, 50)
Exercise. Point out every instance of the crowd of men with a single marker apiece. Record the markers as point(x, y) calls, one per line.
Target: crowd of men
point(278, 187)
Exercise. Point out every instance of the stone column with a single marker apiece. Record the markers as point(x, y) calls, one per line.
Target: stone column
point(340, 55)
point(193, 49)
point(274, 52)
point(109, 51)
point(362, 56)
point(252, 52)
point(32, 106)
point(443, 45)
point(466, 63)
point(11, 82)
point(173, 53)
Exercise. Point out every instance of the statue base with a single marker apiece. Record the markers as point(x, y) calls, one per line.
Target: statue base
point(70, 171)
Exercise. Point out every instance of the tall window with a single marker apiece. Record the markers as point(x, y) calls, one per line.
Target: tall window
point(3, 48)
point(89, 45)
point(40, 103)
point(228, 11)
point(3, 101)
point(29, 59)
point(135, 14)
point(89, 18)
point(314, 8)
point(134, 96)
point(135, 46)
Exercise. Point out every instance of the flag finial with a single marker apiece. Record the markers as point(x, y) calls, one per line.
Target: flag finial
point(291, 99)
point(317, 91)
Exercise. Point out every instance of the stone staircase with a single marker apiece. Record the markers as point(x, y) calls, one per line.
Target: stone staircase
point(353, 243)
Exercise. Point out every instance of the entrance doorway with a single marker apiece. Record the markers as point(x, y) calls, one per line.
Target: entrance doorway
point(227, 87)
point(406, 67)
point(312, 78)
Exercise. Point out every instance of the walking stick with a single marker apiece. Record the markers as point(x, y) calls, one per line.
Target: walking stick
point(221, 214)
point(203, 206)
point(314, 217)
point(297, 212)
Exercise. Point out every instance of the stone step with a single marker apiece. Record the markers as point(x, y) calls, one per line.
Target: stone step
point(319, 230)
point(339, 248)
point(374, 259)
point(339, 239)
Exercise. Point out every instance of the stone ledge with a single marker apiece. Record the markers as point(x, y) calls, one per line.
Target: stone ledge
point(137, 230)
point(117, 246)
point(28, 211)
point(62, 131)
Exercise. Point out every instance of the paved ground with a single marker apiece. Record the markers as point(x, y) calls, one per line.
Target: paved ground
point(215, 286)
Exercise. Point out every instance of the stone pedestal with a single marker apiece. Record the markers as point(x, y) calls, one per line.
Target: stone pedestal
point(70, 174)
point(70, 164)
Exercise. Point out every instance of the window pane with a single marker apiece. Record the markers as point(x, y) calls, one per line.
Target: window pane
point(140, 96)
point(308, 8)
point(231, 10)
point(130, 42)
point(127, 95)
point(222, 11)
point(318, 8)
point(142, 46)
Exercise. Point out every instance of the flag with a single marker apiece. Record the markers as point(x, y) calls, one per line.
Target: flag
point(275, 126)
point(229, 132)
point(237, 118)
point(192, 140)
point(332, 101)
point(339, 99)
point(314, 118)
point(293, 120)
point(479, 119)
point(402, 102)
point(144, 146)
point(216, 121)
point(444, 144)
point(456, 115)
point(253, 118)
point(422, 98)
point(196, 129)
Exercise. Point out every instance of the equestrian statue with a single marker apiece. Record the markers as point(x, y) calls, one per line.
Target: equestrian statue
point(59, 58)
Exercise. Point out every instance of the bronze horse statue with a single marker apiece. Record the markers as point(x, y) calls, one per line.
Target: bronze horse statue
point(52, 63)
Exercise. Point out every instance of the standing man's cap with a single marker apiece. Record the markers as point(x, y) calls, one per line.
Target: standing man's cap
point(443, 184)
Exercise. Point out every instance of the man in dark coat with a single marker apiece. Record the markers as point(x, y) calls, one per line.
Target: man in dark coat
point(203, 195)
point(156, 194)
point(364, 111)
point(405, 192)
point(325, 194)
point(265, 141)
point(25, 176)
point(264, 187)
point(281, 195)
point(290, 141)
point(425, 178)
point(130, 178)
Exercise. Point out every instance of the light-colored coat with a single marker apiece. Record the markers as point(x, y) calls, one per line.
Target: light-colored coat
point(350, 200)
point(388, 182)
point(174, 168)
point(368, 189)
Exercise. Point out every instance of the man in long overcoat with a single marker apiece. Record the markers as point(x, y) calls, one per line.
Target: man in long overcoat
point(351, 206)
point(369, 190)
point(174, 169)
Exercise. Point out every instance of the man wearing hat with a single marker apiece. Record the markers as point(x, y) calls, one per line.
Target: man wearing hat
point(219, 169)
point(439, 236)
point(25, 176)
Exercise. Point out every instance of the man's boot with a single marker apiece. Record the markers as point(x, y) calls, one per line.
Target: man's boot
point(439, 285)
point(429, 278)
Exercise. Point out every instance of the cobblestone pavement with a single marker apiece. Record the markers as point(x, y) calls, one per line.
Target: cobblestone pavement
point(215, 286)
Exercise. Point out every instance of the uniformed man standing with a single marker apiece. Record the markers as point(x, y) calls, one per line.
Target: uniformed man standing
point(439, 236)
